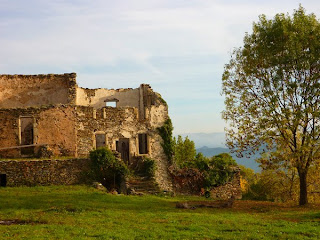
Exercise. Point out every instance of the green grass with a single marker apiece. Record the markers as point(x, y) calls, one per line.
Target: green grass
point(81, 212)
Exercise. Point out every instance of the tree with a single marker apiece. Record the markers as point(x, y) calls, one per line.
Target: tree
point(184, 151)
point(272, 91)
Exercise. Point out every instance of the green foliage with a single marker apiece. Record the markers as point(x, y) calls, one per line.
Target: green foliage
point(148, 167)
point(106, 168)
point(184, 151)
point(166, 134)
point(271, 87)
point(219, 170)
point(216, 170)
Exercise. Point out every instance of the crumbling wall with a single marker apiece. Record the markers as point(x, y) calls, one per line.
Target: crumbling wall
point(56, 128)
point(114, 122)
point(96, 97)
point(8, 132)
point(44, 172)
point(35, 90)
point(190, 181)
point(232, 188)
point(53, 126)
point(120, 122)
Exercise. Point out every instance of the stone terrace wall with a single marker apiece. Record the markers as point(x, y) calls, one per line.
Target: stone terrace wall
point(232, 188)
point(189, 181)
point(44, 172)
point(36, 90)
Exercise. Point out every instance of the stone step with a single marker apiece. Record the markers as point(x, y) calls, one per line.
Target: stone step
point(140, 184)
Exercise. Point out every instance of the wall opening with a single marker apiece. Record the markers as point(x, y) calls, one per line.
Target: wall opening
point(111, 104)
point(26, 135)
point(122, 147)
point(100, 140)
point(3, 180)
point(143, 143)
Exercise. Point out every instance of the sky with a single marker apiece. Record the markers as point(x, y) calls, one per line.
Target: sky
point(179, 47)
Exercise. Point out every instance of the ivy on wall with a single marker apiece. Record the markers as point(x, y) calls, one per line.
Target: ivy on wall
point(166, 133)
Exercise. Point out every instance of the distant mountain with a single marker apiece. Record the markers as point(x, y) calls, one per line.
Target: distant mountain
point(213, 140)
point(248, 162)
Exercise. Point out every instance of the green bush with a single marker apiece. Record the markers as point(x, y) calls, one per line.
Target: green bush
point(216, 170)
point(148, 167)
point(106, 168)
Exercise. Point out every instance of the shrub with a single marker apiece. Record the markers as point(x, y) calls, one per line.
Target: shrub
point(106, 168)
point(148, 167)
point(217, 170)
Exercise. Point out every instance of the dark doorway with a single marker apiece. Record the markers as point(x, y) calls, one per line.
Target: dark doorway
point(27, 135)
point(100, 140)
point(3, 180)
point(143, 143)
point(123, 148)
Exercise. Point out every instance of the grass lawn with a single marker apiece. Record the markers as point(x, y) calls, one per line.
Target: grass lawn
point(81, 212)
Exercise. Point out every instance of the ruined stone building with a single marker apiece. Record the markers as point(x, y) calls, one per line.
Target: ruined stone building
point(51, 110)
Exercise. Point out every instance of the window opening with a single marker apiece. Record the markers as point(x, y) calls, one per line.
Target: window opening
point(143, 143)
point(111, 104)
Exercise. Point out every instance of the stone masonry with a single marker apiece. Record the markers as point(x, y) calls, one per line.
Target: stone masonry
point(53, 111)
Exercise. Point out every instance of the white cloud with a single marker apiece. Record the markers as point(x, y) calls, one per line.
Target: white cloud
point(161, 42)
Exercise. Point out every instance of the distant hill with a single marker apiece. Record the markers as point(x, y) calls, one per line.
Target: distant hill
point(248, 162)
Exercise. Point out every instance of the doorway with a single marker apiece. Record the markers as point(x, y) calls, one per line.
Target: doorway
point(100, 140)
point(27, 135)
point(123, 148)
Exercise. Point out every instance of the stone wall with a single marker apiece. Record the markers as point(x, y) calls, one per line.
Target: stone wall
point(232, 188)
point(52, 110)
point(96, 97)
point(53, 126)
point(117, 123)
point(190, 181)
point(44, 172)
point(35, 90)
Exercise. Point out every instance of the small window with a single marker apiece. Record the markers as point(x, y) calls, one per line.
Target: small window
point(111, 104)
point(143, 143)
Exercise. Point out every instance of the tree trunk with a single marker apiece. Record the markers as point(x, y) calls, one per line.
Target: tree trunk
point(303, 188)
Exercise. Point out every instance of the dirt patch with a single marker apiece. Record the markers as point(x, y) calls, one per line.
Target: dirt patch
point(206, 204)
point(20, 222)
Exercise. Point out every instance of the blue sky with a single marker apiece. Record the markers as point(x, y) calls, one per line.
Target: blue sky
point(179, 47)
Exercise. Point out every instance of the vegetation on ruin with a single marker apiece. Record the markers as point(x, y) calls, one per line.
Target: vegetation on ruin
point(166, 134)
point(271, 85)
point(81, 212)
point(106, 168)
point(148, 167)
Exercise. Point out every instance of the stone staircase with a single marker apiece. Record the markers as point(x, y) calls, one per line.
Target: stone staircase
point(143, 185)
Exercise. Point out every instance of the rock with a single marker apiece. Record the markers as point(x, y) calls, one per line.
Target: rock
point(99, 186)
point(184, 205)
